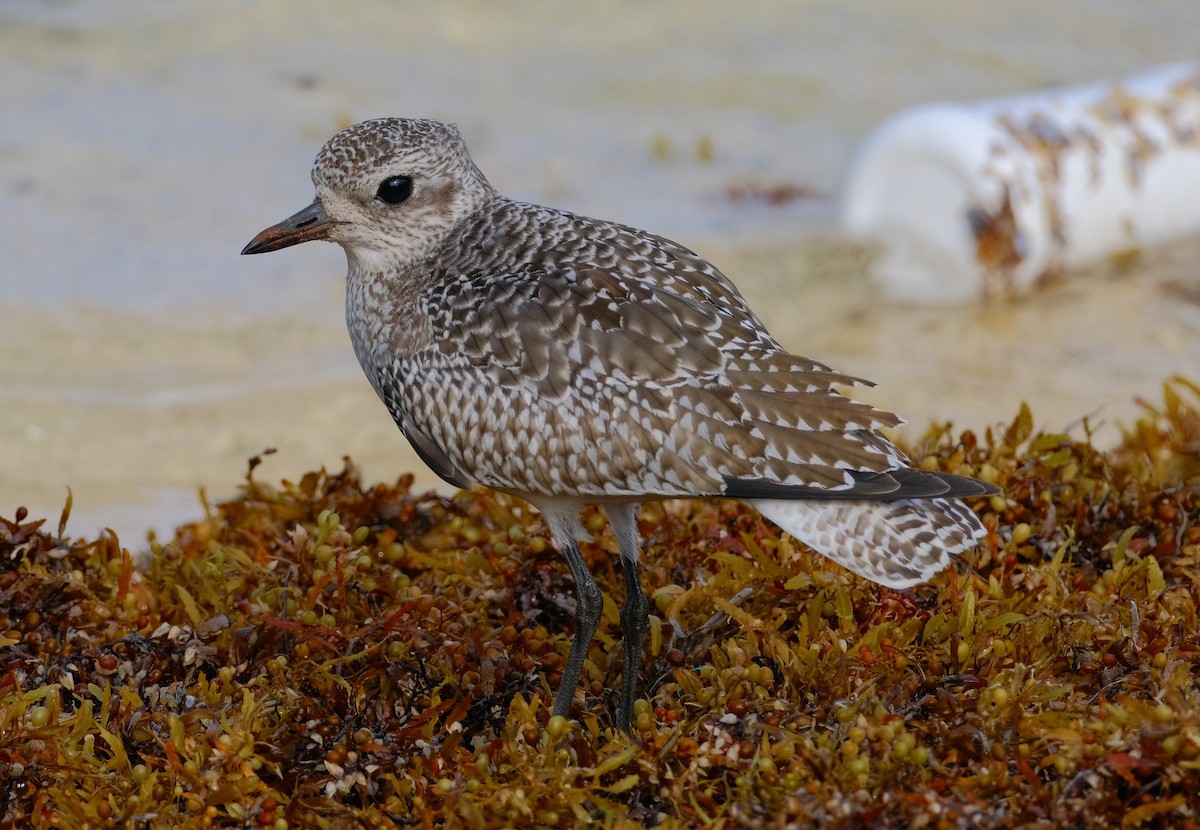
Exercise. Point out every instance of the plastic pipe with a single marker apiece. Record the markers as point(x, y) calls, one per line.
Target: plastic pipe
point(975, 200)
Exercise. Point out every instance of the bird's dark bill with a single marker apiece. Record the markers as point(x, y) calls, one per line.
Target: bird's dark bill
point(304, 226)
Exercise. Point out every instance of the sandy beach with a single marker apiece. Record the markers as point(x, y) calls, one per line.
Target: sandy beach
point(141, 359)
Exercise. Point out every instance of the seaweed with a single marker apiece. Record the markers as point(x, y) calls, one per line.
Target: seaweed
point(326, 654)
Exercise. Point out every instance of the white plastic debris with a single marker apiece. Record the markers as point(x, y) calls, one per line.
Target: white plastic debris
point(982, 199)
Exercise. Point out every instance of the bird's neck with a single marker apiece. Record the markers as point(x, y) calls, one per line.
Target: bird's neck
point(384, 315)
point(386, 309)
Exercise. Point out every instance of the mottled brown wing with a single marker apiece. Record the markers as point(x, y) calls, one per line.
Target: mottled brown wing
point(590, 382)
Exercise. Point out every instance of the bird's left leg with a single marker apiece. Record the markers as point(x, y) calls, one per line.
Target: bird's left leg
point(635, 613)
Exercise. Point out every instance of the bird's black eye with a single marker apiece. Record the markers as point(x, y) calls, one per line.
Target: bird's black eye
point(395, 190)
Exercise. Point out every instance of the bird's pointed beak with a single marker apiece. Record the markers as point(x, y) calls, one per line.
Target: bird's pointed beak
point(304, 226)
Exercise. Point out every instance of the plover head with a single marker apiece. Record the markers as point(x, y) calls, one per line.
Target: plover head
point(389, 191)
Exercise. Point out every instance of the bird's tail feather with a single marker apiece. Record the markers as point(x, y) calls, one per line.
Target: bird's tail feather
point(895, 543)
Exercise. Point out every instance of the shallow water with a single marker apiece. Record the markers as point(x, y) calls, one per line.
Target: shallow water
point(144, 143)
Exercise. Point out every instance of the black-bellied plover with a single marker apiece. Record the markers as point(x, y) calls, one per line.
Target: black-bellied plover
point(571, 361)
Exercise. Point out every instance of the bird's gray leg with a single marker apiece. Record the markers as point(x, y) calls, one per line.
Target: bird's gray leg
point(635, 613)
point(567, 531)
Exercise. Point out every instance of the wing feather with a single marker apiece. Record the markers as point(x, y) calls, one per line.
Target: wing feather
point(635, 369)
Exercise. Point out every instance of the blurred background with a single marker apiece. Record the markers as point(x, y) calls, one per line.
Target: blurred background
point(143, 143)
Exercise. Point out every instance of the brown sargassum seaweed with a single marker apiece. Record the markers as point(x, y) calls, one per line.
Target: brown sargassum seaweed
point(324, 654)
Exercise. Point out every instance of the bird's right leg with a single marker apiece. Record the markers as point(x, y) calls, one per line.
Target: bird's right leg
point(567, 531)
point(635, 614)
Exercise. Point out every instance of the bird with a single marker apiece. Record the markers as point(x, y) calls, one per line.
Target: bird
point(572, 361)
